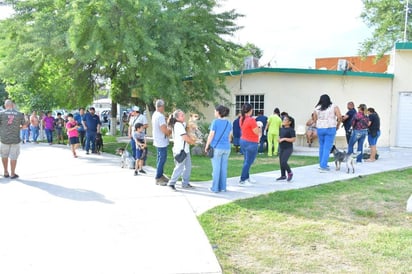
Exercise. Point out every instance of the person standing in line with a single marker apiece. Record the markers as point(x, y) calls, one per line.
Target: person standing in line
point(160, 133)
point(373, 133)
point(34, 126)
point(328, 118)
point(141, 148)
point(59, 123)
point(219, 139)
point(287, 137)
point(48, 122)
point(73, 133)
point(236, 134)
point(347, 120)
point(24, 132)
point(249, 142)
point(92, 124)
point(272, 127)
point(263, 138)
point(78, 117)
point(360, 123)
point(10, 123)
point(136, 117)
point(181, 140)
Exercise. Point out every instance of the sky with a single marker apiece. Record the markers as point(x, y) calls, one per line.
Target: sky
point(293, 33)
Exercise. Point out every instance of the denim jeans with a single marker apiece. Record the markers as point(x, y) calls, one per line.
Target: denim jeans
point(133, 146)
point(49, 135)
point(91, 140)
point(250, 150)
point(326, 137)
point(24, 135)
point(219, 164)
point(161, 160)
point(34, 133)
point(262, 141)
point(358, 136)
point(183, 169)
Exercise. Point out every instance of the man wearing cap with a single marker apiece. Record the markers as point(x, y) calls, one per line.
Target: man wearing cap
point(160, 133)
point(136, 117)
point(91, 123)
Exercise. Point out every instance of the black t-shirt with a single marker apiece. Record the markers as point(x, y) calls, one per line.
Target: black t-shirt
point(286, 132)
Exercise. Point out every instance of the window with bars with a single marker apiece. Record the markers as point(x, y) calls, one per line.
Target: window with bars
point(256, 100)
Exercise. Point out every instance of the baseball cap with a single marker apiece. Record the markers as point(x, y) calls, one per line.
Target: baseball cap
point(136, 108)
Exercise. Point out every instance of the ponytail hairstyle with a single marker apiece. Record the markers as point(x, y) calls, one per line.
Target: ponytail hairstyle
point(245, 109)
point(171, 121)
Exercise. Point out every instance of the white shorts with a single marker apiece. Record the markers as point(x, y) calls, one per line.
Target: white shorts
point(11, 151)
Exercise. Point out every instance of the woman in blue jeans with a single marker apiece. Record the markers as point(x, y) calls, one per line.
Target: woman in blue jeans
point(360, 123)
point(328, 118)
point(249, 141)
point(219, 140)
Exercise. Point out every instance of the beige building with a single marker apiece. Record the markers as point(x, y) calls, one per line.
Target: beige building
point(297, 91)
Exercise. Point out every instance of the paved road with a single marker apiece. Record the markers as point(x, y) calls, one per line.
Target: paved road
point(87, 215)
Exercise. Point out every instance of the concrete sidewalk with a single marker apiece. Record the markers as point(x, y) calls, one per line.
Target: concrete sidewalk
point(87, 215)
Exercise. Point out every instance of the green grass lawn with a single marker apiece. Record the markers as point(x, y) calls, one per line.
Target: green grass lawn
point(355, 226)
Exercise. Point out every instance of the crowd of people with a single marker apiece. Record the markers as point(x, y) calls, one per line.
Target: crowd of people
point(250, 135)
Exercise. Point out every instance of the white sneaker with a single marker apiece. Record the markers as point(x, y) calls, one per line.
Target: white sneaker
point(244, 183)
point(250, 180)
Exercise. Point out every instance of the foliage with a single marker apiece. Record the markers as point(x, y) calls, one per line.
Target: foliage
point(387, 19)
point(56, 50)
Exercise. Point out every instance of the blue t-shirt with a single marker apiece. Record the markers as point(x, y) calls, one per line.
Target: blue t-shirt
point(78, 118)
point(91, 122)
point(236, 128)
point(222, 129)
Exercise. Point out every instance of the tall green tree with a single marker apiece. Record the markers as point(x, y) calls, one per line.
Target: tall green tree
point(387, 20)
point(170, 49)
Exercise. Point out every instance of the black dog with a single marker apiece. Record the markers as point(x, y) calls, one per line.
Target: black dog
point(342, 156)
point(99, 143)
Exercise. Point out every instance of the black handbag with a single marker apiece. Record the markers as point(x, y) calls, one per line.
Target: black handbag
point(211, 151)
point(182, 154)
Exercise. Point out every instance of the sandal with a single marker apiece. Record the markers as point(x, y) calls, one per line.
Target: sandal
point(6, 175)
point(15, 176)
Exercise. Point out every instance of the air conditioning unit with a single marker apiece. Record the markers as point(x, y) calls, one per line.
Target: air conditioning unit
point(251, 62)
point(342, 65)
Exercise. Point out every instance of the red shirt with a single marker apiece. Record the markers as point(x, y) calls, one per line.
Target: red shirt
point(247, 129)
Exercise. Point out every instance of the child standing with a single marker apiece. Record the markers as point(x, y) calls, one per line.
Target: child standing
point(141, 148)
point(59, 125)
point(73, 134)
point(287, 136)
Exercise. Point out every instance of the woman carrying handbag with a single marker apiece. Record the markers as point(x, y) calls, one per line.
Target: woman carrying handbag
point(219, 140)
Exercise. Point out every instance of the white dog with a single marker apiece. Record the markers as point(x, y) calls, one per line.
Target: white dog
point(127, 160)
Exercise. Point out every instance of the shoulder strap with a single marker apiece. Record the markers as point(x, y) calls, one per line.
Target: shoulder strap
point(222, 133)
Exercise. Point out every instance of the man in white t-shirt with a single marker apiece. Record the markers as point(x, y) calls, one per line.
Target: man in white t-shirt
point(136, 117)
point(160, 133)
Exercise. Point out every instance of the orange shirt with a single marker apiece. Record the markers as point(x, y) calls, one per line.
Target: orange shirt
point(247, 129)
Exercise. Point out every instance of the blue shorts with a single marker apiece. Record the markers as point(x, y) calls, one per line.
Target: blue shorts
point(373, 140)
point(74, 140)
point(141, 153)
